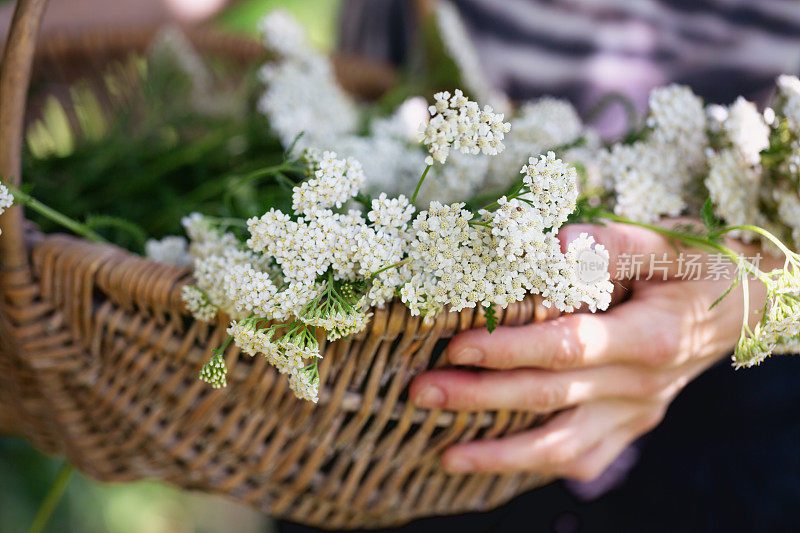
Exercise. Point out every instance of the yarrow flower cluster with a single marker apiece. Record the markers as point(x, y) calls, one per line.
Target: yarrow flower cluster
point(198, 304)
point(171, 250)
point(214, 372)
point(551, 189)
point(733, 187)
point(283, 36)
point(652, 177)
point(302, 95)
point(734, 164)
point(753, 165)
point(6, 200)
point(391, 214)
point(334, 183)
point(747, 131)
point(314, 268)
point(459, 123)
point(460, 261)
point(778, 330)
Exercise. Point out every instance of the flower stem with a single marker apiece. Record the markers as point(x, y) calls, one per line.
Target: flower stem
point(226, 221)
point(746, 303)
point(517, 191)
point(764, 233)
point(384, 269)
point(221, 349)
point(51, 499)
point(276, 172)
point(419, 183)
point(59, 218)
point(693, 240)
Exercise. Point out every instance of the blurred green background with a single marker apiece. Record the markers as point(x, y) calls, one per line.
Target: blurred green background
point(320, 18)
point(146, 506)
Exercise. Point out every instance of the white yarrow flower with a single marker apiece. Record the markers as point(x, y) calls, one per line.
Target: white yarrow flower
point(651, 178)
point(459, 123)
point(733, 187)
point(747, 131)
point(198, 304)
point(171, 250)
point(6, 200)
point(553, 188)
point(305, 384)
point(283, 35)
point(677, 115)
point(789, 89)
point(392, 215)
point(335, 182)
point(305, 98)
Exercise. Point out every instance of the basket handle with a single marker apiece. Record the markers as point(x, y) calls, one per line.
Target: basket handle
point(15, 77)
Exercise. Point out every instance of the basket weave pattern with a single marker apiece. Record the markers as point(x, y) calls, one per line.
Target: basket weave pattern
point(99, 362)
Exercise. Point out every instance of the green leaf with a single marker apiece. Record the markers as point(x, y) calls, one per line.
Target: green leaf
point(137, 235)
point(491, 317)
point(287, 155)
point(709, 218)
point(733, 285)
point(586, 213)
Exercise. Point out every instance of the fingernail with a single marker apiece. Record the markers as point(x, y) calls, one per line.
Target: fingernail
point(459, 464)
point(468, 356)
point(430, 396)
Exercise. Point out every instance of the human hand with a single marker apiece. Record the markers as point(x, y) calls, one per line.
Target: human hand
point(612, 374)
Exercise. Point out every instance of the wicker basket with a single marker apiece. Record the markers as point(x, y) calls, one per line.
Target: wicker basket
point(99, 362)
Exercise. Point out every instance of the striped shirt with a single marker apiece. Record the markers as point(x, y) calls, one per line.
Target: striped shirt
point(582, 49)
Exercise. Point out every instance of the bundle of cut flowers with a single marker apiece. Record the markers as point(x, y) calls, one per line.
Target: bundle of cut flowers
point(447, 206)
point(324, 267)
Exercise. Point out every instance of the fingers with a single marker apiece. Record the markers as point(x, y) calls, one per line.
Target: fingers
point(597, 460)
point(548, 449)
point(539, 391)
point(633, 332)
point(634, 252)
